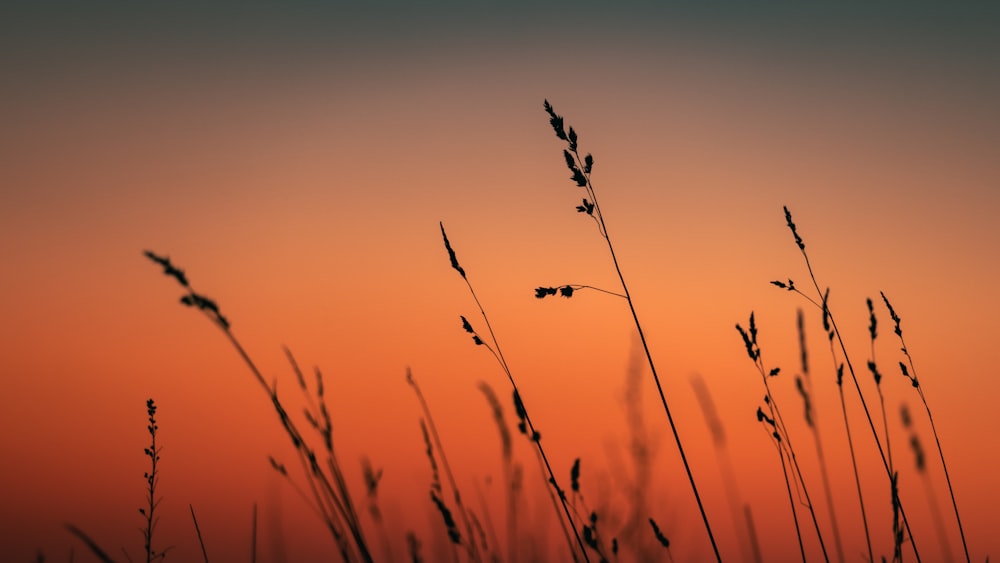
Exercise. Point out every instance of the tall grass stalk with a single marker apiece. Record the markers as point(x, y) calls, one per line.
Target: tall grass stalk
point(152, 480)
point(839, 368)
point(911, 374)
point(835, 332)
point(776, 438)
point(742, 517)
point(804, 385)
point(527, 427)
point(920, 462)
point(873, 368)
point(331, 497)
point(581, 167)
point(506, 451)
point(783, 439)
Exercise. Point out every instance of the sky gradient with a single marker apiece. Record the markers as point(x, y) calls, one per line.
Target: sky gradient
point(296, 163)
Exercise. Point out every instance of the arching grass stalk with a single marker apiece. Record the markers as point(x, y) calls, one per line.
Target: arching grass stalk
point(834, 331)
point(911, 374)
point(527, 426)
point(331, 497)
point(581, 167)
point(780, 434)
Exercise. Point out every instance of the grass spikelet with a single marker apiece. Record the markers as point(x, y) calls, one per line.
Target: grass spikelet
point(449, 521)
point(373, 477)
point(413, 547)
point(660, 537)
point(451, 254)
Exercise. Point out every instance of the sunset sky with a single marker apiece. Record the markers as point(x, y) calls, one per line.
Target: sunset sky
point(296, 159)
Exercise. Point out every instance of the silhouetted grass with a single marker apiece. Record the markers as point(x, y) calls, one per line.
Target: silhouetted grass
point(331, 496)
point(830, 322)
point(779, 433)
point(587, 532)
point(740, 513)
point(526, 426)
point(803, 385)
point(581, 168)
point(201, 541)
point(469, 544)
point(911, 374)
point(148, 512)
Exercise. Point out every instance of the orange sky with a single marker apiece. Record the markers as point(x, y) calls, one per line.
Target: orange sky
point(299, 181)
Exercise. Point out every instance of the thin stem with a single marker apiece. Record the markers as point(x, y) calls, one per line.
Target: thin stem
point(649, 358)
point(791, 500)
point(253, 536)
point(527, 418)
point(912, 375)
point(850, 369)
point(201, 542)
point(854, 466)
point(785, 443)
point(470, 544)
point(334, 504)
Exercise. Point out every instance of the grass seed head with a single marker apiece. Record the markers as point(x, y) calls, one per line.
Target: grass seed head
point(791, 225)
point(451, 253)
